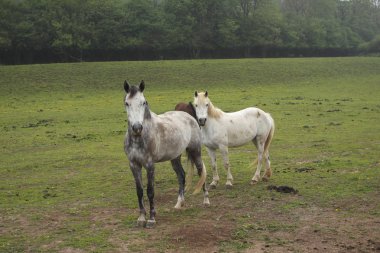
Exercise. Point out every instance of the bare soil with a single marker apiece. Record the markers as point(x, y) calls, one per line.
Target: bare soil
point(348, 227)
point(227, 226)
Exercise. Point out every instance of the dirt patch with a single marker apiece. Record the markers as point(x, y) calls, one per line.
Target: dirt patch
point(204, 235)
point(332, 231)
point(254, 224)
point(314, 229)
point(71, 250)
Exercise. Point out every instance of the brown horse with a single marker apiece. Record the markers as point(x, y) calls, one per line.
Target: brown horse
point(187, 107)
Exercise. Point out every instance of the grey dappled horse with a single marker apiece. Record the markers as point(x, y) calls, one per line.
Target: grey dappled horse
point(155, 138)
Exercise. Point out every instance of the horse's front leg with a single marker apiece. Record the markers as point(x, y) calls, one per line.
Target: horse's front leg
point(150, 191)
point(224, 151)
point(136, 170)
point(177, 167)
point(215, 176)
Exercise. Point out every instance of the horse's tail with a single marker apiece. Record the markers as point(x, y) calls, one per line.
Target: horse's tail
point(268, 140)
point(190, 174)
point(202, 180)
point(270, 136)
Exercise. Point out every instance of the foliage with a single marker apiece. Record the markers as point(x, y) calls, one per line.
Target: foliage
point(73, 30)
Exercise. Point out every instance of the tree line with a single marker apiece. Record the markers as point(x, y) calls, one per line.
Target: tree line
point(70, 30)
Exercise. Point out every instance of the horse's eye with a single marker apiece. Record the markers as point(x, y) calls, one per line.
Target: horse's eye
point(126, 104)
point(144, 103)
point(206, 105)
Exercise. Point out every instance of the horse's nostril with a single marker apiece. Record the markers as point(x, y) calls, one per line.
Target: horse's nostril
point(137, 128)
point(202, 121)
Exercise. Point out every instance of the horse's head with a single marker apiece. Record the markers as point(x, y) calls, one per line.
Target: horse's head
point(136, 107)
point(201, 103)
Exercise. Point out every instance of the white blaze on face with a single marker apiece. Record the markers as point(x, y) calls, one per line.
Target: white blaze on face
point(201, 103)
point(135, 107)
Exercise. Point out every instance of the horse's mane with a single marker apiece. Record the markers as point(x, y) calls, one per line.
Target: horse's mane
point(214, 112)
point(193, 111)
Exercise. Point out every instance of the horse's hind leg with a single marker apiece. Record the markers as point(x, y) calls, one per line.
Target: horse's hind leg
point(268, 170)
point(260, 147)
point(224, 151)
point(177, 167)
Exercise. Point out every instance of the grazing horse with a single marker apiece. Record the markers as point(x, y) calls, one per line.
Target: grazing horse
point(155, 138)
point(221, 130)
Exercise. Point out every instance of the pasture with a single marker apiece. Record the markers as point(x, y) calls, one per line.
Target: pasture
point(66, 185)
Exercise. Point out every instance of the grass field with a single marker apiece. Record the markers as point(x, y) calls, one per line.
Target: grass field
point(66, 187)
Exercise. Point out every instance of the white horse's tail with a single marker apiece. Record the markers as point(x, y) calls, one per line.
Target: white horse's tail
point(190, 172)
point(270, 137)
point(201, 181)
point(268, 141)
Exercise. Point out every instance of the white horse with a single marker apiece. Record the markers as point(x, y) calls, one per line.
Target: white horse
point(221, 130)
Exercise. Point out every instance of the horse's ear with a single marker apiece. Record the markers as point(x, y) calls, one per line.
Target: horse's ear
point(206, 94)
point(126, 86)
point(196, 93)
point(142, 86)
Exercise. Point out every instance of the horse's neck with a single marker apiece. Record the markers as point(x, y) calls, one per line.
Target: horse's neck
point(215, 112)
point(150, 124)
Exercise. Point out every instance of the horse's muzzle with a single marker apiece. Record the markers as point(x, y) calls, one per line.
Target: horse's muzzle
point(202, 121)
point(137, 128)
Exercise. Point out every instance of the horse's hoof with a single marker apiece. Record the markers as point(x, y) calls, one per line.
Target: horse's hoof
point(254, 182)
point(150, 224)
point(229, 186)
point(178, 206)
point(213, 185)
point(206, 202)
point(141, 223)
point(265, 179)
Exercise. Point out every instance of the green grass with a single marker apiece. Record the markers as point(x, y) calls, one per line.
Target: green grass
point(65, 181)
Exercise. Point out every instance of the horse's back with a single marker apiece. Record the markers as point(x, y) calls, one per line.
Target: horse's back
point(181, 121)
point(172, 135)
point(179, 118)
point(244, 125)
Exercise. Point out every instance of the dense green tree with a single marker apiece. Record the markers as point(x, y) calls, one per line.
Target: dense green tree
point(71, 29)
point(143, 25)
point(197, 25)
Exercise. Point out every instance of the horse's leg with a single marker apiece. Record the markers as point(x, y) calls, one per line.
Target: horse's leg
point(268, 170)
point(195, 155)
point(215, 176)
point(177, 167)
point(201, 168)
point(224, 151)
point(260, 147)
point(150, 191)
point(136, 170)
